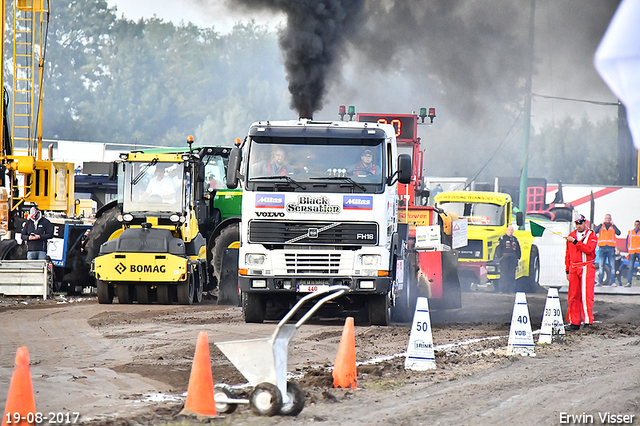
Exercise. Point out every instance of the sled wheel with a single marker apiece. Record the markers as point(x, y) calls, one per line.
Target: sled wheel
point(296, 400)
point(222, 392)
point(265, 400)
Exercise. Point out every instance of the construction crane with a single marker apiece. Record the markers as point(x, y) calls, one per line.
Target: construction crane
point(28, 179)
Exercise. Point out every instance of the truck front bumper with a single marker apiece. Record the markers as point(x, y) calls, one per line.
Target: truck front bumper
point(307, 284)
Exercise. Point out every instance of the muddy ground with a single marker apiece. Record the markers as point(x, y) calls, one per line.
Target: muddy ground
point(130, 365)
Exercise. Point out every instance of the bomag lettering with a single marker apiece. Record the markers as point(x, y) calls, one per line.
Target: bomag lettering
point(148, 269)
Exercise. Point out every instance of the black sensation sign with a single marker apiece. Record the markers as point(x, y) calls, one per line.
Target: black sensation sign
point(406, 125)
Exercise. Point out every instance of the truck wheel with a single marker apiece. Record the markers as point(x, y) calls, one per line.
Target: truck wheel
point(100, 232)
point(197, 292)
point(534, 270)
point(265, 399)
point(379, 309)
point(143, 294)
point(296, 400)
point(222, 392)
point(228, 236)
point(105, 293)
point(186, 290)
point(164, 294)
point(253, 308)
point(124, 293)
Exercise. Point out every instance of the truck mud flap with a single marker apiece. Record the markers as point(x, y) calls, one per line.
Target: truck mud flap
point(228, 285)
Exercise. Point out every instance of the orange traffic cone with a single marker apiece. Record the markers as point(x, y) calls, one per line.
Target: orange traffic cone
point(200, 399)
point(344, 371)
point(20, 401)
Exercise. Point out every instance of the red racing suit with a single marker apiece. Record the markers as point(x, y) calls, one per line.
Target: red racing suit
point(581, 273)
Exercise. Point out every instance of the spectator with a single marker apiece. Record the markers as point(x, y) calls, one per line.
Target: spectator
point(508, 253)
point(620, 262)
point(36, 231)
point(214, 184)
point(581, 272)
point(633, 247)
point(607, 232)
point(365, 167)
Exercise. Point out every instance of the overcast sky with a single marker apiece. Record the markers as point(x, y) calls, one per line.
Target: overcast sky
point(203, 14)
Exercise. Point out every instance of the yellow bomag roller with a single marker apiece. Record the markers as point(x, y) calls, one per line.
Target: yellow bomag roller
point(158, 254)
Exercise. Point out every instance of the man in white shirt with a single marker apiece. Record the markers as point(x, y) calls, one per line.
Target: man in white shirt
point(160, 188)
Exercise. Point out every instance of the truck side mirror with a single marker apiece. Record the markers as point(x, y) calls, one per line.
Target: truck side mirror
point(519, 218)
point(404, 168)
point(233, 170)
point(113, 170)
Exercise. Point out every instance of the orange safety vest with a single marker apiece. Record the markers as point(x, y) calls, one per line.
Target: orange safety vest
point(607, 237)
point(633, 244)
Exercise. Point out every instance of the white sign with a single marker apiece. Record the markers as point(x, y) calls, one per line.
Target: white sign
point(552, 323)
point(55, 248)
point(420, 354)
point(427, 236)
point(459, 233)
point(520, 335)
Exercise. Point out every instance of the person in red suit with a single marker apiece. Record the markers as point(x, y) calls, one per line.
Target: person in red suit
point(581, 272)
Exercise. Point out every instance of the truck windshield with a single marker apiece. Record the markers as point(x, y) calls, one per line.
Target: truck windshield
point(479, 214)
point(319, 164)
point(153, 187)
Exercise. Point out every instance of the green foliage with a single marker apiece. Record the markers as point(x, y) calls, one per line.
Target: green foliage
point(151, 82)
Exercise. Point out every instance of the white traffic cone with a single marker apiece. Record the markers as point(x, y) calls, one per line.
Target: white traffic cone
point(520, 335)
point(420, 354)
point(552, 323)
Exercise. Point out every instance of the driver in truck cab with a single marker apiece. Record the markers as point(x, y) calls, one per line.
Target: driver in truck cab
point(276, 165)
point(365, 167)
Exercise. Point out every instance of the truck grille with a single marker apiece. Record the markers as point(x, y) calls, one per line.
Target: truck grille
point(312, 263)
point(301, 232)
point(473, 250)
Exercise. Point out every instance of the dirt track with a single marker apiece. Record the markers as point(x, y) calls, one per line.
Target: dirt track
point(108, 361)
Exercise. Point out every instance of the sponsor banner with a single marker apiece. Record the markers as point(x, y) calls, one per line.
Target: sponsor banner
point(357, 202)
point(270, 201)
point(308, 204)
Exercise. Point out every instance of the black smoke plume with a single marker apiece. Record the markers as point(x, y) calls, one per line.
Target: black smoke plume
point(312, 44)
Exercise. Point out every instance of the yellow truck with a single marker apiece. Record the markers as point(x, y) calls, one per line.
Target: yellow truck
point(488, 215)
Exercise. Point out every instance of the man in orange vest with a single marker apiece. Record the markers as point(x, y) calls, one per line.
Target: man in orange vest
point(607, 232)
point(581, 272)
point(633, 247)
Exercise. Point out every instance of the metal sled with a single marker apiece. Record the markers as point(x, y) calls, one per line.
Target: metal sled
point(263, 362)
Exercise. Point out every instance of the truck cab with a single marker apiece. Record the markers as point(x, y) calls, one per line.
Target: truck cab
point(320, 208)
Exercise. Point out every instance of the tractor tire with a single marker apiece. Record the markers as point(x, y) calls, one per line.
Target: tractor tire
point(105, 292)
point(102, 229)
point(199, 283)
point(143, 294)
point(379, 309)
point(186, 289)
point(228, 236)
point(125, 293)
point(164, 294)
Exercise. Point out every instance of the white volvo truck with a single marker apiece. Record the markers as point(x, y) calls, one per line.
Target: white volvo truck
point(320, 216)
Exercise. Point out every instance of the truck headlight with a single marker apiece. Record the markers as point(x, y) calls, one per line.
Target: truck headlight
point(371, 259)
point(254, 259)
point(491, 269)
